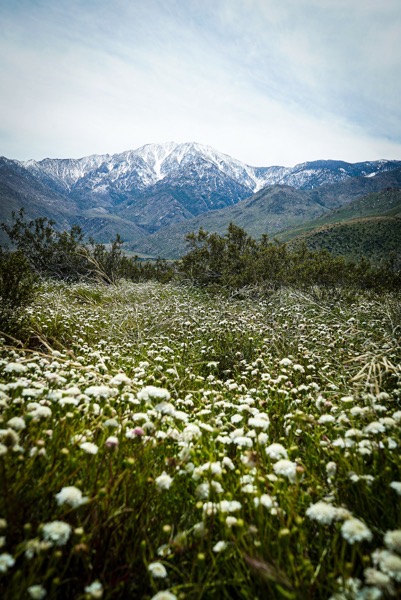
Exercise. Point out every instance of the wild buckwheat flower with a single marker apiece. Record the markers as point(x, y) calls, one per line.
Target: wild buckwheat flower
point(57, 532)
point(151, 392)
point(98, 391)
point(353, 530)
point(14, 367)
point(396, 485)
point(220, 546)
point(322, 512)
point(259, 422)
point(375, 577)
point(264, 500)
point(163, 482)
point(120, 379)
point(231, 521)
point(16, 423)
point(6, 562)
point(157, 569)
point(95, 590)
point(323, 419)
point(286, 468)
point(276, 451)
point(392, 539)
point(388, 563)
point(111, 442)
point(71, 495)
point(89, 447)
point(374, 427)
point(164, 595)
point(37, 592)
point(331, 469)
point(227, 462)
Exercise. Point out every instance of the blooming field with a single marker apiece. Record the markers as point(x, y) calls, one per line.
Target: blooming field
point(156, 442)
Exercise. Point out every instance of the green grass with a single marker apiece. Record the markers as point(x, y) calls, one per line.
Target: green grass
point(320, 376)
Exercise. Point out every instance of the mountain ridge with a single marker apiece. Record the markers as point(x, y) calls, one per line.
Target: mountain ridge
point(157, 186)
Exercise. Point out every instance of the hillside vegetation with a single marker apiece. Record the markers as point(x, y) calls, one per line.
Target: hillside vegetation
point(158, 442)
point(233, 432)
point(369, 227)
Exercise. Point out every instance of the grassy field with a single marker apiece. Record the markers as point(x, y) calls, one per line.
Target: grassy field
point(159, 442)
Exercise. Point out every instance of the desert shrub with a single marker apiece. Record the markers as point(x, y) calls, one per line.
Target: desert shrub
point(18, 288)
point(49, 252)
point(18, 283)
point(64, 255)
point(236, 260)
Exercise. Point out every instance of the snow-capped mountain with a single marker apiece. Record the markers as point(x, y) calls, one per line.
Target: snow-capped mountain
point(158, 185)
point(114, 177)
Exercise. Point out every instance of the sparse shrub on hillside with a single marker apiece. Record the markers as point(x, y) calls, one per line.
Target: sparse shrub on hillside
point(236, 260)
point(18, 287)
point(50, 253)
point(66, 256)
point(18, 283)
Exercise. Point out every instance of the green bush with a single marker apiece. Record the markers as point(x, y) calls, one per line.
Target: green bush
point(18, 284)
point(236, 260)
point(18, 287)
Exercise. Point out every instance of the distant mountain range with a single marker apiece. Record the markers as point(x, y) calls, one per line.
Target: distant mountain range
point(154, 195)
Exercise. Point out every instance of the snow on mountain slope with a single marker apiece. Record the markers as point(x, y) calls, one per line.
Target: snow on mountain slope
point(196, 176)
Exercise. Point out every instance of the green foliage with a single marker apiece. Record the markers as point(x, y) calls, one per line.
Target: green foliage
point(50, 253)
point(185, 473)
point(236, 260)
point(18, 284)
point(65, 256)
point(18, 288)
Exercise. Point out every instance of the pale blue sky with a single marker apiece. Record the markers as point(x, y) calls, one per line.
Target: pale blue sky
point(266, 81)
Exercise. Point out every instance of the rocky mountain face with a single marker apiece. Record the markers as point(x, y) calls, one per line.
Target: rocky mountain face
point(139, 192)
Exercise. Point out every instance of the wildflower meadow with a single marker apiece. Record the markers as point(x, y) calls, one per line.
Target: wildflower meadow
point(158, 441)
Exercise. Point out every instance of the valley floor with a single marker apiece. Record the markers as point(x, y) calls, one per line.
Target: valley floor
point(159, 442)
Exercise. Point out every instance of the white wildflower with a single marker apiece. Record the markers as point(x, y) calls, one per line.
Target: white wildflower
point(276, 451)
point(57, 532)
point(353, 530)
point(231, 521)
point(388, 563)
point(71, 495)
point(6, 561)
point(157, 569)
point(227, 462)
point(375, 577)
point(151, 392)
point(16, 423)
point(15, 367)
point(259, 422)
point(120, 379)
point(287, 468)
point(396, 485)
point(331, 469)
point(164, 595)
point(220, 546)
point(163, 482)
point(95, 590)
point(392, 539)
point(89, 447)
point(323, 419)
point(37, 592)
point(374, 427)
point(99, 391)
point(322, 512)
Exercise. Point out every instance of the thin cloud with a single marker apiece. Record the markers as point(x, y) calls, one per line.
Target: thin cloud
point(266, 82)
